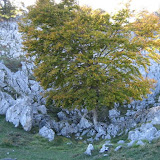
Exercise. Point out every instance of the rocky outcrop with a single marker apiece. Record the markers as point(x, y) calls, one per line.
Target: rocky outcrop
point(22, 103)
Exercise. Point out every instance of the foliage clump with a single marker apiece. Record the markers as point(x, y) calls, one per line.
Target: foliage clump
point(7, 10)
point(89, 58)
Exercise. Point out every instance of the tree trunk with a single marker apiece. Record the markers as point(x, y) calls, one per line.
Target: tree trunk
point(94, 118)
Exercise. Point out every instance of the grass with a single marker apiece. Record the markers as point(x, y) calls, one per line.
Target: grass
point(16, 143)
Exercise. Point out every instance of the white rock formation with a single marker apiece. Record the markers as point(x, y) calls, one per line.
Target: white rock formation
point(21, 113)
point(117, 148)
point(104, 148)
point(47, 133)
point(89, 150)
point(145, 132)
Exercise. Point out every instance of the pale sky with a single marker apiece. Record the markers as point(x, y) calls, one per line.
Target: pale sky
point(111, 5)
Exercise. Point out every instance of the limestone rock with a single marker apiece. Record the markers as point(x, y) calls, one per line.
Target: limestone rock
point(145, 132)
point(103, 149)
point(21, 113)
point(47, 133)
point(42, 109)
point(89, 150)
point(84, 123)
point(117, 148)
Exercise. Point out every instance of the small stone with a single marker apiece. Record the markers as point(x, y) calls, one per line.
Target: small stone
point(89, 149)
point(103, 149)
point(117, 148)
point(121, 142)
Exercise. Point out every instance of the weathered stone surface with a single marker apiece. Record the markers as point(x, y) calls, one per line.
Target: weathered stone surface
point(104, 148)
point(21, 113)
point(145, 132)
point(62, 116)
point(42, 109)
point(47, 133)
point(121, 142)
point(84, 124)
point(5, 102)
point(89, 150)
point(117, 148)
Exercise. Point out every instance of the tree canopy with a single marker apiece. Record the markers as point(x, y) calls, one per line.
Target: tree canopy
point(7, 9)
point(89, 58)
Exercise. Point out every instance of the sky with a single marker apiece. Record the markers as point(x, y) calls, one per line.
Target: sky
point(111, 5)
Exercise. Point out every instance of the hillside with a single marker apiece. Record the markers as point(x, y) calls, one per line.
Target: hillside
point(18, 144)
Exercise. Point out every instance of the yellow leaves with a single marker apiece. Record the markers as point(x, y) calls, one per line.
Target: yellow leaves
point(90, 57)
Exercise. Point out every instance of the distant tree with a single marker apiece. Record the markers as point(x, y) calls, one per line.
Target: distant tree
point(88, 58)
point(7, 9)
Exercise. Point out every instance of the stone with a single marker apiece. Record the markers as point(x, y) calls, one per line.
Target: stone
point(103, 149)
point(107, 136)
point(5, 102)
point(113, 113)
point(90, 140)
point(85, 132)
point(140, 143)
point(84, 124)
point(121, 142)
point(117, 148)
point(47, 133)
point(130, 143)
point(89, 150)
point(20, 113)
point(62, 116)
point(145, 132)
point(100, 131)
point(42, 109)
point(113, 130)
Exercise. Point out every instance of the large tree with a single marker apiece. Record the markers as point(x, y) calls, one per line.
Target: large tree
point(88, 58)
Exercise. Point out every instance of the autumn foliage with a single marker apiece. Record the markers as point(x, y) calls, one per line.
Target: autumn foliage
point(89, 58)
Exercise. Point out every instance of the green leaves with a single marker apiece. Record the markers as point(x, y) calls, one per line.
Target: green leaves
point(88, 58)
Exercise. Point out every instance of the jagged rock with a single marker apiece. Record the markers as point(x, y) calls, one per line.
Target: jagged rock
point(42, 109)
point(21, 113)
point(85, 132)
point(84, 124)
point(89, 150)
point(68, 129)
point(145, 132)
point(113, 129)
point(55, 125)
point(47, 133)
point(107, 136)
point(103, 149)
point(62, 116)
point(114, 113)
point(5, 102)
point(117, 148)
point(100, 131)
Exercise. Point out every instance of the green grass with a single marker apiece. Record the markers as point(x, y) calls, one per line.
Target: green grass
point(16, 143)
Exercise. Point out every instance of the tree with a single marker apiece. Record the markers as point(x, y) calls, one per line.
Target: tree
point(87, 58)
point(7, 9)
